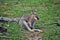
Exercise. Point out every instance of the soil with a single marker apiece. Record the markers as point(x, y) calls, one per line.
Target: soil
point(33, 36)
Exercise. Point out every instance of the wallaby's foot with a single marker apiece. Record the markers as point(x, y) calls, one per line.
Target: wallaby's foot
point(31, 30)
point(37, 30)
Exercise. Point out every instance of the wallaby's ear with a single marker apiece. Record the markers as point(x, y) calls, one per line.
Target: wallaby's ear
point(33, 12)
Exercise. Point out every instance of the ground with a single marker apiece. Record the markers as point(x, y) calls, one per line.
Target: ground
point(33, 36)
point(48, 12)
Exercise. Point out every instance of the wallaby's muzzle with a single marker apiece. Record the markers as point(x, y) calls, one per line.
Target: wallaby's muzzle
point(37, 18)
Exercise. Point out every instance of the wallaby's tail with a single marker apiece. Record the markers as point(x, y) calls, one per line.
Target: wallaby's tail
point(9, 19)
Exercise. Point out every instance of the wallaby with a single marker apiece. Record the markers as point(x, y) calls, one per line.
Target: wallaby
point(27, 21)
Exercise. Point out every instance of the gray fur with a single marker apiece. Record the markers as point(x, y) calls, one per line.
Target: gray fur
point(24, 23)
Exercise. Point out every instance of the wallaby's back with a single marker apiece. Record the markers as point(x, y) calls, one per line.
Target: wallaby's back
point(25, 17)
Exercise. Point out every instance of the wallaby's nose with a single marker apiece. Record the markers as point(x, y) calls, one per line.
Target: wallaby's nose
point(37, 18)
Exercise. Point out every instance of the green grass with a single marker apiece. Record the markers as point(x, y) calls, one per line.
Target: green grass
point(47, 10)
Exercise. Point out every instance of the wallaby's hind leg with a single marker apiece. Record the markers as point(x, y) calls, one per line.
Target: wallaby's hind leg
point(24, 24)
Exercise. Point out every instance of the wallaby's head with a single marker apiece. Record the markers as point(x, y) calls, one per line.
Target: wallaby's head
point(35, 16)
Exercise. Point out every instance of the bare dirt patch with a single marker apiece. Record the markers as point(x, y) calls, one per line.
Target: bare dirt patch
point(33, 36)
